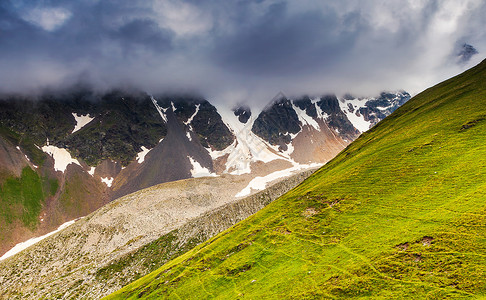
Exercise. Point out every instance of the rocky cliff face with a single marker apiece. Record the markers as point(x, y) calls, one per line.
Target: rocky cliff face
point(277, 122)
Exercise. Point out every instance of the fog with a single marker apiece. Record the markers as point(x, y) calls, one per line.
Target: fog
point(238, 51)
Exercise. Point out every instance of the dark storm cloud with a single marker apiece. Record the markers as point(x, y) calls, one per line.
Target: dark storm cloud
point(237, 50)
point(280, 43)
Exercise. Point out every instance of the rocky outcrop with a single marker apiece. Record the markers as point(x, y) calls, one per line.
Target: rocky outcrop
point(122, 123)
point(377, 109)
point(336, 119)
point(168, 161)
point(277, 122)
point(243, 113)
point(200, 117)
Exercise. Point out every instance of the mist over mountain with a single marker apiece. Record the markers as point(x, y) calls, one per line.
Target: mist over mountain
point(466, 53)
point(236, 51)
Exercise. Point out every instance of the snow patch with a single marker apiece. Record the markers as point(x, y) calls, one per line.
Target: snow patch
point(23, 245)
point(173, 107)
point(248, 147)
point(193, 115)
point(159, 109)
point(188, 134)
point(107, 180)
point(141, 155)
point(91, 171)
point(198, 170)
point(290, 149)
point(217, 154)
point(320, 113)
point(304, 118)
point(81, 121)
point(61, 157)
point(358, 121)
point(260, 182)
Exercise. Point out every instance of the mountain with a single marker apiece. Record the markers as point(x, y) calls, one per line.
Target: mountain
point(467, 51)
point(315, 130)
point(67, 153)
point(398, 214)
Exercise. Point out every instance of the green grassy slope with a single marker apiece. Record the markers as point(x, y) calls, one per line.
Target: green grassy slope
point(22, 198)
point(400, 213)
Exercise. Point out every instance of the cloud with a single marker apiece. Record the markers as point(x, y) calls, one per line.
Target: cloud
point(49, 18)
point(238, 51)
point(182, 18)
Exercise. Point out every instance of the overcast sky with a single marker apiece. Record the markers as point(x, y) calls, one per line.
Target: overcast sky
point(238, 50)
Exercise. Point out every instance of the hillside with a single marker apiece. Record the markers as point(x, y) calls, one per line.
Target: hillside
point(125, 236)
point(398, 214)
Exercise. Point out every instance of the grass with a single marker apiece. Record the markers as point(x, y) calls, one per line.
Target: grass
point(22, 198)
point(149, 257)
point(400, 213)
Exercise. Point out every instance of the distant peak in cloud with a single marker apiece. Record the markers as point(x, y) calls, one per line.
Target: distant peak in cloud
point(237, 51)
point(466, 52)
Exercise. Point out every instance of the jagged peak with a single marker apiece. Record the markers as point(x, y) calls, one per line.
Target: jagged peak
point(279, 98)
point(280, 95)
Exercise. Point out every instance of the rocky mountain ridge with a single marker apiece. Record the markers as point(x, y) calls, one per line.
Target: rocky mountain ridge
point(84, 149)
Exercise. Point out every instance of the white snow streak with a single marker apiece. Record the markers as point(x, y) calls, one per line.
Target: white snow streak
point(198, 170)
point(26, 157)
point(61, 157)
point(259, 183)
point(304, 118)
point(141, 155)
point(193, 115)
point(358, 122)
point(81, 121)
point(188, 134)
point(217, 154)
point(23, 245)
point(159, 109)
point(290, 148)
point(321, 114)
